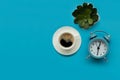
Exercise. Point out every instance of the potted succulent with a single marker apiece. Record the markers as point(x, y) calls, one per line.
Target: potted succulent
point(85, 15)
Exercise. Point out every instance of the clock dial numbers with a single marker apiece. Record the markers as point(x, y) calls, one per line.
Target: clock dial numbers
point(103, 49)
point(98, 48)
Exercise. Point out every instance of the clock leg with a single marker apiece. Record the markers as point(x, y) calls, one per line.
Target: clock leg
point(88, 56)
point(105, 59)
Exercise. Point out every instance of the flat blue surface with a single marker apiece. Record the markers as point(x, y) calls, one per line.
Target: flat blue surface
point(26, 50)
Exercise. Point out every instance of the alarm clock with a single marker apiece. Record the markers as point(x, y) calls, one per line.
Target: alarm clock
point(99, 45)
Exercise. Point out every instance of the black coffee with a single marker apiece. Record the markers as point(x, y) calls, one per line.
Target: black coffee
point(66, 40)
point(66, 43)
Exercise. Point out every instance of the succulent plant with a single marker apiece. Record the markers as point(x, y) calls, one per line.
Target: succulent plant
point(85, 15)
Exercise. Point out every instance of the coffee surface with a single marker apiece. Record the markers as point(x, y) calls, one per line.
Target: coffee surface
point(66, 40)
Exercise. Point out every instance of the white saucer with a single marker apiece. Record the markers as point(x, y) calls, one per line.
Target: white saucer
point(70, 50)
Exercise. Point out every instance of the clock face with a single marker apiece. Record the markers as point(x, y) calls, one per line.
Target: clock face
point(98, 48)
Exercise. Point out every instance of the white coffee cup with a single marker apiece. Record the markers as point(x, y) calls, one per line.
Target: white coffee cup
point(73, 41)
point(76, 42)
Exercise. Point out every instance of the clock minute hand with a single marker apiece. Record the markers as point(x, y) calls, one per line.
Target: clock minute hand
point(98, 48)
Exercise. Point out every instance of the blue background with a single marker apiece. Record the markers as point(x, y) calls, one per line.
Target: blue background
point(26, 50)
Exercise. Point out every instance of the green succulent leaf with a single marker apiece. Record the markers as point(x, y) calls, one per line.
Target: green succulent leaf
point(85, 15)
point(85, 4)
point(90, 21)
